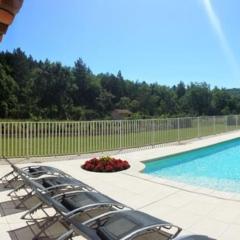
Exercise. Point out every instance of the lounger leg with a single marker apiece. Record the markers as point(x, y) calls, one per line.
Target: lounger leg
point(67, 235)
point(33, 229)
point(32, 210)
point(15, 190)
point(5, 176)
point(9, 181)
point(25, 198)
point(47, 225)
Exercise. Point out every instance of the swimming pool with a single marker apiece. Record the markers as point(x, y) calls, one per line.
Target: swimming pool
point(216, 167)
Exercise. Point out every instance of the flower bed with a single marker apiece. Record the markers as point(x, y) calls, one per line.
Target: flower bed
point(105, 164)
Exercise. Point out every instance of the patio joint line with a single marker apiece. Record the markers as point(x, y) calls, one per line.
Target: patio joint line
point(153, 202)
point(182, 189)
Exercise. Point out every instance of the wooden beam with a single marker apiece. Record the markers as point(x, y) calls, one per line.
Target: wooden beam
point(6, 17)
point(3, 28)
point(12, 6)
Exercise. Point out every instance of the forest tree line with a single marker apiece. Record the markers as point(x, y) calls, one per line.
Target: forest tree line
point(31, 89)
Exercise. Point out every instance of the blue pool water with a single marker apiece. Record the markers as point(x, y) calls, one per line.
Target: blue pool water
point(216, 167)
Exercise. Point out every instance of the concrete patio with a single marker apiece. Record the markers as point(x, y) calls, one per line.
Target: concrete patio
point(197, 210)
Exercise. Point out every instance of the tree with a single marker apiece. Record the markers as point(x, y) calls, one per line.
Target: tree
point(197, 99)
point(221, 101)
point(88, 87)
point(113, 84)
point(8, 90)
point(31, 89)
point(105, 101)
point(180, 89)
point(124, 103)
point(53, 86)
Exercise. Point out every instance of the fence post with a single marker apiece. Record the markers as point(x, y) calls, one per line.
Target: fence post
point(178, 123)
point(120, 133)
point(198, 122)
point(7, 138)
point(1, 149)
point(1, 139)
point(214, 124)
point(27, 140)
point(153, 132)
point(226, 118)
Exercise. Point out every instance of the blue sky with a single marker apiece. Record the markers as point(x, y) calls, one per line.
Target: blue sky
point(162, 41)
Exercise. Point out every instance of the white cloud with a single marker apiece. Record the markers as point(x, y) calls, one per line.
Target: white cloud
point(217, 26)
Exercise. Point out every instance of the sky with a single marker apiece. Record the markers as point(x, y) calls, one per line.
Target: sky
point(163, 41)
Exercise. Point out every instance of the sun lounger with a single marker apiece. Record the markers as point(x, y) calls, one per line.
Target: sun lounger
point(124, 225)
point(71, 203)
point(50, 185)
point(97, 216)
point(34, 172)
point(80, 206)
point(75, 202)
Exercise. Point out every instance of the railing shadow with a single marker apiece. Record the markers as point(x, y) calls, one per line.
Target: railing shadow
point(196, 237)
point(2, 188)
point(9, 208)
point(14, 206)
point(32, 229)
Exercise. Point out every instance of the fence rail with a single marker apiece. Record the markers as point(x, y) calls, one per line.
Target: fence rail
point(26, 139)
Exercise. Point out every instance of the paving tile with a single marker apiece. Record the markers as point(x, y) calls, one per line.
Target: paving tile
point(5, 236)
point(211, 228)
point(236, 220)
point(199, 207)
point(225, 213)
point(159, 210)
point(231, 233)
point(183, 219)
point(178, 199)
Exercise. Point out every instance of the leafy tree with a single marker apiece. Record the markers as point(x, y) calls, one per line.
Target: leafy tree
point(105, 101)
point(180, 89)
point(31, 89)
point(124, 103)
point(8, 91)
point(88, 88)
point(197, 100)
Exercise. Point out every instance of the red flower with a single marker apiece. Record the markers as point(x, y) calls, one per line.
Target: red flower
point(88, 166)
point(105, 164)
point(109, 168)
point(99, 167)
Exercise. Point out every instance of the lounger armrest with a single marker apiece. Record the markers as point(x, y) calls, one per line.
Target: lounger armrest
point(33, 166)
point(93, 220)
point(139, 231)
point(83, 230)
point(177, 232)
point(60, 195)
point(75, 211)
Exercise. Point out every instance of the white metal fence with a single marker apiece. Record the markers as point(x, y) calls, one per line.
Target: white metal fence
point(26, 139)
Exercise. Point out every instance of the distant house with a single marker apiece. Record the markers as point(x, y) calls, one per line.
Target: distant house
point(119, 114)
